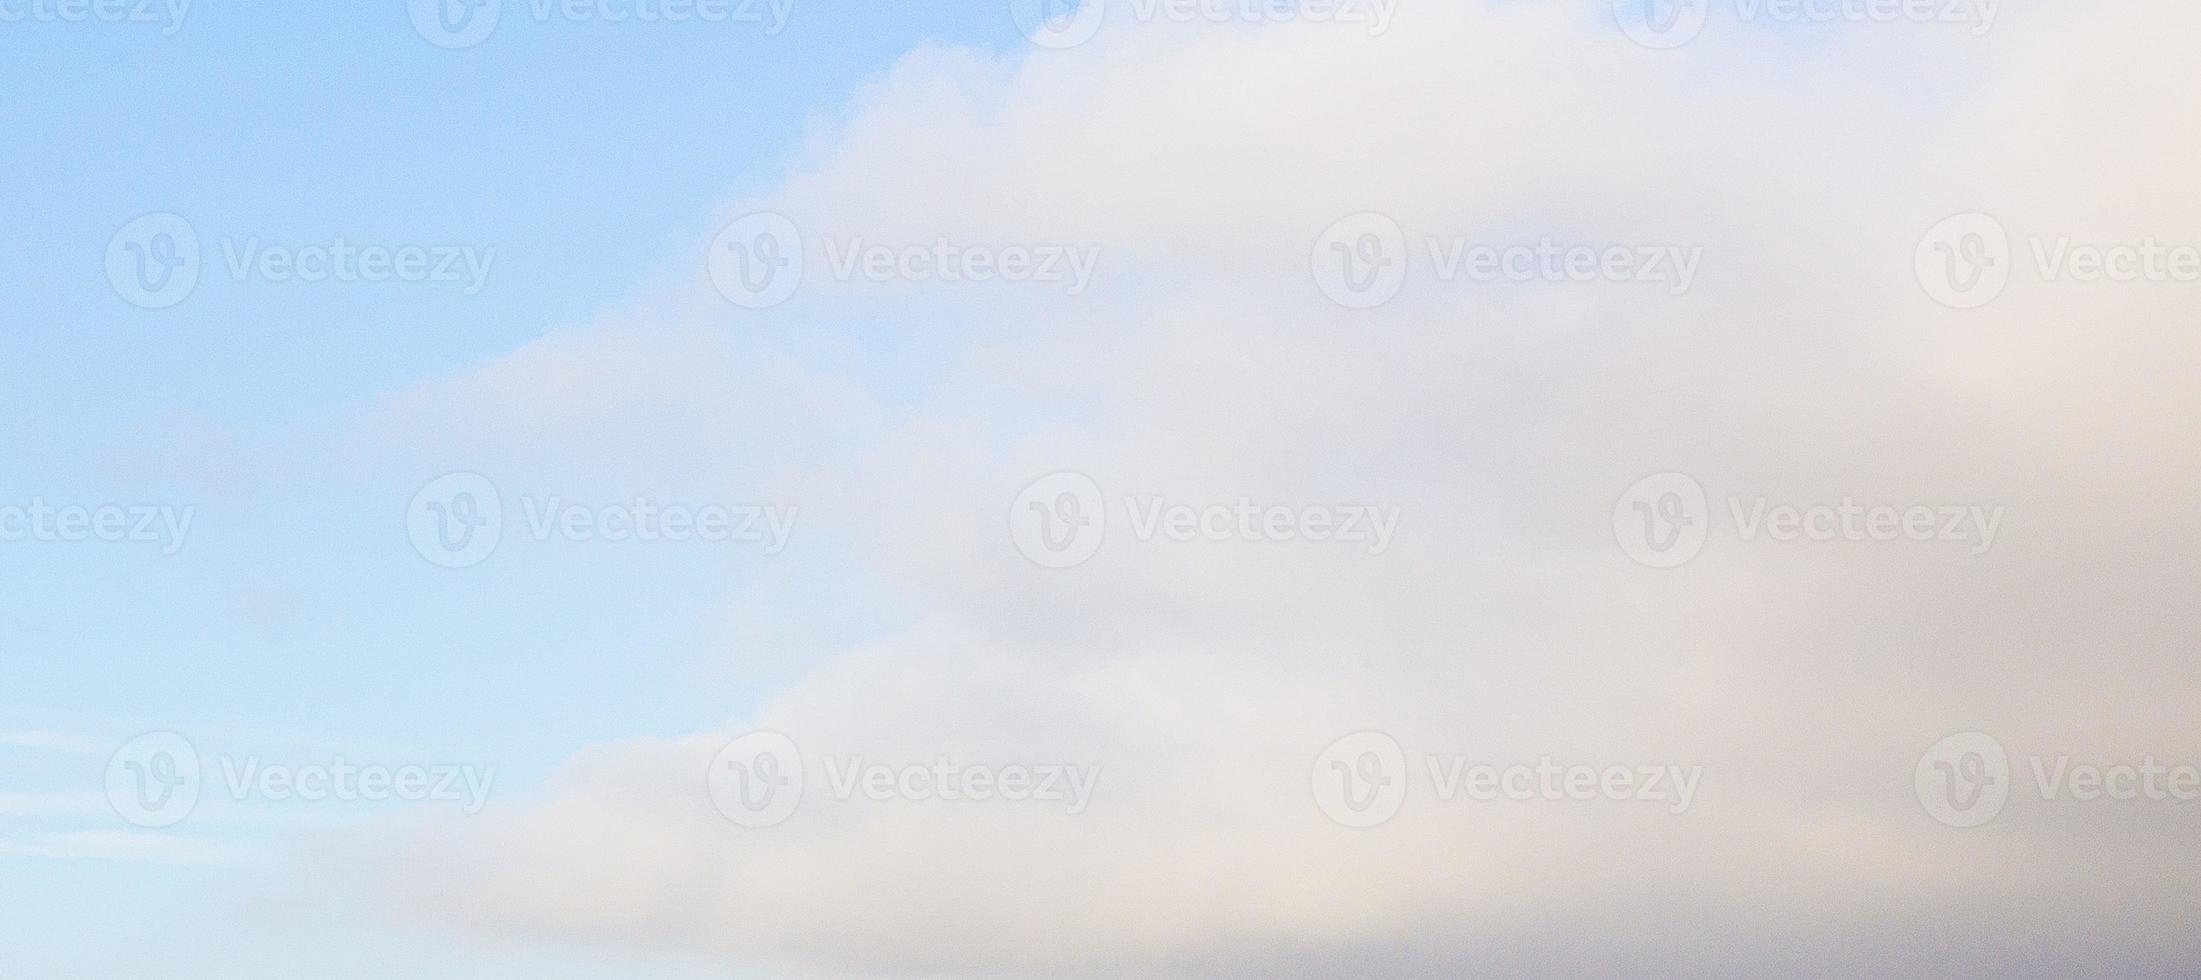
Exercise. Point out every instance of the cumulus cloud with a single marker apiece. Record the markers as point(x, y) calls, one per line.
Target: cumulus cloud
point(1502, 421)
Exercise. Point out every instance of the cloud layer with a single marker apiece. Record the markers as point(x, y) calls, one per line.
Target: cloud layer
point(1503, 421)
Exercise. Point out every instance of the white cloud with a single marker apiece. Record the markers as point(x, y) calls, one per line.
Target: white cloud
point(1504, 422)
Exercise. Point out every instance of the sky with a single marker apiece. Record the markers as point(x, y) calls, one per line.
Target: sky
point(1183, 490)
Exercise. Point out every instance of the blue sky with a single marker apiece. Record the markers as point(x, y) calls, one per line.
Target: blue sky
point(298, 620)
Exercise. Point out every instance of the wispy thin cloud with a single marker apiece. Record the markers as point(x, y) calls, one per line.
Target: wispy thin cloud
point(112, 845)
point(52, 742)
